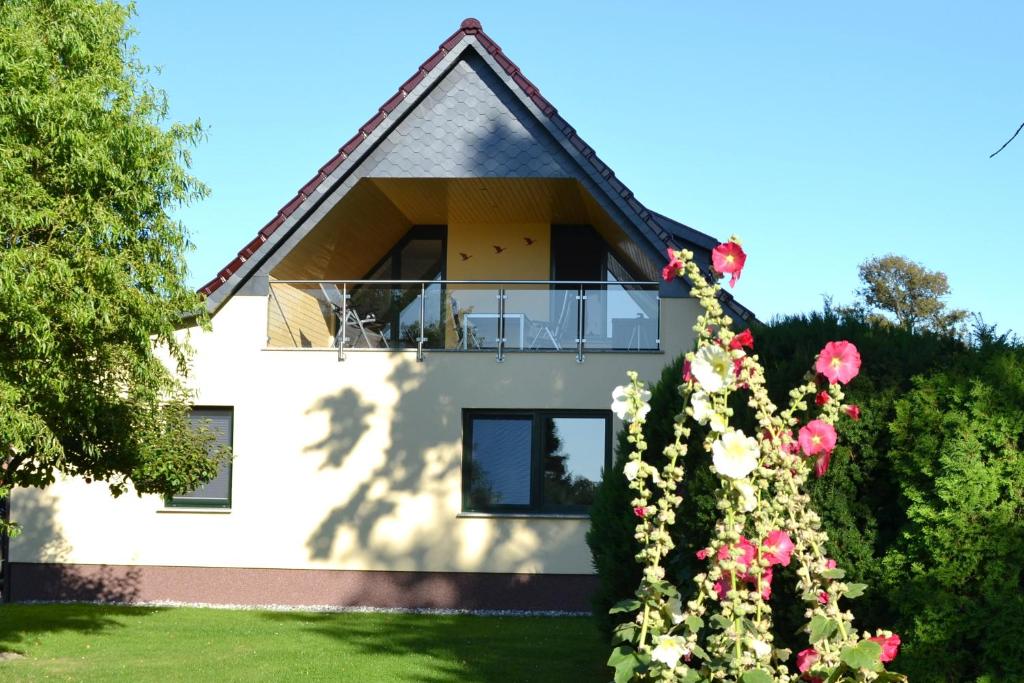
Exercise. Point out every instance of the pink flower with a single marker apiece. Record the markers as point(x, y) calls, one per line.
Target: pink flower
point(830, 563)
point(822, 398)
point(853, 410)
point(743, 339)
point(687, 375)
point(728, 259)
point(671, 269)
point(777, 547)
point(702, 554)
point(640, 511)
point(823, 597)
point(746, 555)
point(817, 437)
point(838, 361)
point(766, 583)
point(737, 365)
point(722, 585)
point(821, 464)
point(805, 659)
point(890, 646)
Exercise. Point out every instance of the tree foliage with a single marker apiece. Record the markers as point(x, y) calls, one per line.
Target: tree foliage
point(910, 293)
point(92, 269)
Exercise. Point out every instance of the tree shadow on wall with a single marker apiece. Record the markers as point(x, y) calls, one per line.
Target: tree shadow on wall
point(348, 420)
point(394, 509)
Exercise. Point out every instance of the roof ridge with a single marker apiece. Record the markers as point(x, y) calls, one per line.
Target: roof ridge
point(469, 27)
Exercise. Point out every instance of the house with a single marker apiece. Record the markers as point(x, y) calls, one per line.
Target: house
point(413, 363)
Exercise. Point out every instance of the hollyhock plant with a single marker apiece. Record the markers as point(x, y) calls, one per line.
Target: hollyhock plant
point(671, 268)
point(742, 340)
point(728, 259)
point(817, 437)
point(838, 362)
point(712, 368)
point(890, 646)
point(778, 547)
point(735, 454)
point(722, 627)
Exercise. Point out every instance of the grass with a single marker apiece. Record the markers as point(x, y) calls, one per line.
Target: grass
point(99, 643)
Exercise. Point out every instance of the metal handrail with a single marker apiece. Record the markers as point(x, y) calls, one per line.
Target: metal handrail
point(463, 282)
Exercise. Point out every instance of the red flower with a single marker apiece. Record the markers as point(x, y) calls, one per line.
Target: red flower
point(890, 646)
point(822, 398)
point(702, 554)
point(728, 259)
point(722, 585)
point(821, 464)
point(687, 375)
point(817, 437)
point(737, 365)
point(766, 583)
point(853, 410)
point(746, 556)
point(823, 597)
point(640, 511)
point(805, 659)
point(838, 361)
point(777, 547)
point(671, 269)
point(743, 339)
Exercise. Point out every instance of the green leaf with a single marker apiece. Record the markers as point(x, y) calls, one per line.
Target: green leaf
point(720, 622)
point(691, 676)
point(627, 663)
point(630, 605)
point(694, 623)
point(891, 677)
point(821, 628)
point(865, 655)
point(749, 627)
point(700, 652)
point(855, 590)
point(626, 632)
point(833, 573)
point(756, 676)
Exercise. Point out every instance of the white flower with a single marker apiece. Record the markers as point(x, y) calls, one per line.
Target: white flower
point(632, 469)
point(747, 495)
point(669, 650)
point(704, 412)
point(761, 648)
point(735, 454)
point(712, 368)
point(622, 400)
point(675, 609)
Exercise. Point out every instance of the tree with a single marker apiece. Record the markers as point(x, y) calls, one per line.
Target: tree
point(92, 269)
point(908, 292)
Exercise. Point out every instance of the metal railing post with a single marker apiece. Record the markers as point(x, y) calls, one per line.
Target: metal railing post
point(501, 325)
point(419, 343)
point(343, 337)
point(580, 312)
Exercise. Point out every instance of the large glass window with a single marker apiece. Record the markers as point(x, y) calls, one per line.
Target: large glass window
point(217, 491)
point(388, 315)
point(535, 461)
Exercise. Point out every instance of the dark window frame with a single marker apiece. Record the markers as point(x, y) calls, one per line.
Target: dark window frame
point(537, 415)
point(183, 501)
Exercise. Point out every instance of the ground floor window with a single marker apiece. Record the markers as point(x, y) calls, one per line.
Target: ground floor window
point(533, 460)
point(215, 493)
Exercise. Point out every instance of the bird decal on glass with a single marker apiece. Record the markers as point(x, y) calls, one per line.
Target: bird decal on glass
point(529, 240)
point(498, 249)
point(465, 256)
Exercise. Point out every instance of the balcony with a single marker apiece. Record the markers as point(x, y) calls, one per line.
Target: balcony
point(464, 316)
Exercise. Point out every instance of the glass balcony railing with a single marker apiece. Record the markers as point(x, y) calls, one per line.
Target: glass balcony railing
point(458, 315)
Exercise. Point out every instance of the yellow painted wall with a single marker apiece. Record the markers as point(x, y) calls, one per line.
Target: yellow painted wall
point(342, 465)
point(517, 261)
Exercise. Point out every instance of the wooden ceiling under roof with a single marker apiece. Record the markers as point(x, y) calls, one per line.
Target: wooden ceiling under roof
point(377, 212)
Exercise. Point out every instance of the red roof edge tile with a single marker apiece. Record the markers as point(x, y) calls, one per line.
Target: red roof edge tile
point(468, 27)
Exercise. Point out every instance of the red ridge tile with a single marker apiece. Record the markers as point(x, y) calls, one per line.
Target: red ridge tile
point(289, 208)
point(370, 125)
point(434, 60)
point(413, 81)
point(332, 165)
point(352, 143)
point(390, 105)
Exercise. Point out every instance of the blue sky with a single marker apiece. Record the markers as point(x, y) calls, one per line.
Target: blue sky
point(821, 133)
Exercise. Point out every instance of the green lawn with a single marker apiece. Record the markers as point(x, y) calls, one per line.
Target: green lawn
point(87, 642)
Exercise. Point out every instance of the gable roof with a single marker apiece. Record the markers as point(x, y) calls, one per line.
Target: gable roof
point(656, 230)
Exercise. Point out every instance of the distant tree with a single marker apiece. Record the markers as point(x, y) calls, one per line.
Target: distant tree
point(908, 292)
point(92, 268)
